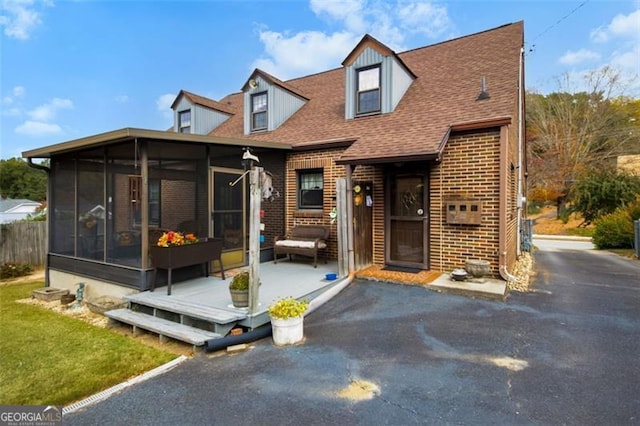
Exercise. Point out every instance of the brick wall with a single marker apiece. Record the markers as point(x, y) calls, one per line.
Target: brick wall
point(324, 160)
point(470, 168)
point(273, 219)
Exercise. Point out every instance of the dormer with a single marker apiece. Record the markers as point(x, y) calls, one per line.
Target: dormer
point(376, 79)
point(268, 102)
point(196, 114)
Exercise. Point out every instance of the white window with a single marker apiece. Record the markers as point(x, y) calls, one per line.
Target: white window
point(368, 94)
point(184, 121)
point(310, 189)
point(259, 111)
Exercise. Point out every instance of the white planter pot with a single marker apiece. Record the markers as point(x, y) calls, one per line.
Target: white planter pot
point(287, 331)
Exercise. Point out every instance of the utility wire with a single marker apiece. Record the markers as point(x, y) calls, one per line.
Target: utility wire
point(556, 24)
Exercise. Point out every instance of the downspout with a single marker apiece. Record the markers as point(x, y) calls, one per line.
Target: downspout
point(504, 164)
point(502, 219)
point(47, 170)
point(520, 149)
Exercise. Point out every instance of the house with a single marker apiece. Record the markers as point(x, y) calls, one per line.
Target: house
point(430, 141)
point(12, 210)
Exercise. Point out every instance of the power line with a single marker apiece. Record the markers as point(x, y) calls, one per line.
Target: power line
point(556, 24)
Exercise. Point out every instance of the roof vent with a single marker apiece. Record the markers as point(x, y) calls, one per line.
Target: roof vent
point(483, 90)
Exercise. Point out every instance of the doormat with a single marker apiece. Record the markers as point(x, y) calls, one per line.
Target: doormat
point(401, 269)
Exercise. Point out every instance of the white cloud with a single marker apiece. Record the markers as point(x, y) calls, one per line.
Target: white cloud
point(163, 103)
point(122, 99)
point(289, 55)
point(19, 91)
point(21, 17)
point(625, 31)
point(48, 111)
point(303, 53)
point(11, 112)
point(427, 18)
point(350, 12)
point(622, 26)
point(578, 56)
point(629, 59)
point(37, 128)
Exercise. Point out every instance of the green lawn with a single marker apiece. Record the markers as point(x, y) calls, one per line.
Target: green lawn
point(51, 359)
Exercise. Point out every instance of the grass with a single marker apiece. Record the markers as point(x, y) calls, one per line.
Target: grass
point(547, 223)
point(581, 232)
point(52, 359)
point(630, 253)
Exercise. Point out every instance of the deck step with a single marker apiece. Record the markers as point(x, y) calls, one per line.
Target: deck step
point(163, 327)
point(193, 310)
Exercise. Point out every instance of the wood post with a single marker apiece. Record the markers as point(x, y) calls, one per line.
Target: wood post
point(255, 198)
point(341, 206)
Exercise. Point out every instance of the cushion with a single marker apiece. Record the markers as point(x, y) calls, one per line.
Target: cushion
point(300, 244)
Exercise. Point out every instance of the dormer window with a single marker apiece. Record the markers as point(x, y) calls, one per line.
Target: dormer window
point(184, 121)
point(259, 111)
point(368, 93)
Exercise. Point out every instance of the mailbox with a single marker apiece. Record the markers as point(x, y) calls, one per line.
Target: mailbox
point(464, 212)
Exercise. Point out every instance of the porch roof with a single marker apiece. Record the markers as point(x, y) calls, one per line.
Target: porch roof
point(129, 133)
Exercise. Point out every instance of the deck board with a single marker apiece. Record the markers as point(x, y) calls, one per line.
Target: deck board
point(163, 327)
point(185, 307)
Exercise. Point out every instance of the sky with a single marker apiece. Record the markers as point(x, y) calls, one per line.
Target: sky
point(76, 68)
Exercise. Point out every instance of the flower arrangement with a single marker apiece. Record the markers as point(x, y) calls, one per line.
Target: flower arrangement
point(288, 308)
point(174, 238)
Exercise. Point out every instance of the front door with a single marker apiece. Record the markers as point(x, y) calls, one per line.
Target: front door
point(408, 220)
point(228, 217)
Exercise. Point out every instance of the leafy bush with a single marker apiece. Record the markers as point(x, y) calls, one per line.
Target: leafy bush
point(240, 282)
point(615, 230)
point(534, 207)
point(13, 270)
point(601, 192)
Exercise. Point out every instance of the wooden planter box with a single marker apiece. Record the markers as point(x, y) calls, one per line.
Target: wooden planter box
point(201, 252)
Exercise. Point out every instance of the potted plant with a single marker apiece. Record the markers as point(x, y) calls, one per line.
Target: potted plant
point(287, 320)
point(239, 289)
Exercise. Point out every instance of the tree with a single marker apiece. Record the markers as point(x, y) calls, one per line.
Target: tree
point(19, 180)
point(601, 192)
point(571, 131)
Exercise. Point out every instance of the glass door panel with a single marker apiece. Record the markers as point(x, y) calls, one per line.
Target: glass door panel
point(228, 216)
point(408, 216)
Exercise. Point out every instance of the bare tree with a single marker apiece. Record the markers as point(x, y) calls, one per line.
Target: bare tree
point(572, 131)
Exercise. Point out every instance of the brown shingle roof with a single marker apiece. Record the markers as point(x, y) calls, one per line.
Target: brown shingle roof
point(273, 80)
point(201, 100)
point(443, 95)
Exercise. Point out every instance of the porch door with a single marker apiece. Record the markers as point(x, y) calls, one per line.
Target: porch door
point(228, 217)
point(363, 223)
point(408, 220)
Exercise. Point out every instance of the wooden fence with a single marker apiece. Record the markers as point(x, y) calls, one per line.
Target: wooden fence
point(23, 242)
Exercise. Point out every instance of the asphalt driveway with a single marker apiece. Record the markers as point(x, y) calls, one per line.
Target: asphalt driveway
point(567, 353)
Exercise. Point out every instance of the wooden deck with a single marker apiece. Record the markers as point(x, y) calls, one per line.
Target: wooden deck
point(204, 304)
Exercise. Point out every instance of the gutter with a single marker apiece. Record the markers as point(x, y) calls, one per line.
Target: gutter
point(38, 166)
